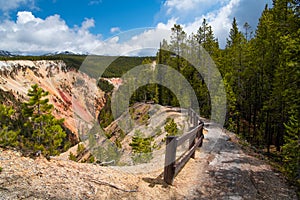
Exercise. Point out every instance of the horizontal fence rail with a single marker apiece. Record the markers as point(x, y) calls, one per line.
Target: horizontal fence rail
point(195, 137)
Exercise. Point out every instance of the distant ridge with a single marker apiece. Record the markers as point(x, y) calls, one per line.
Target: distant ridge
point(63, 53)
point(5, 53)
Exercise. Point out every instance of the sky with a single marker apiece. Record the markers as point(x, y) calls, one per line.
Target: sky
point(114, 27)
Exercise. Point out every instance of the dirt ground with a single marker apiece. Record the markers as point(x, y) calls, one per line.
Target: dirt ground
point(221, 170)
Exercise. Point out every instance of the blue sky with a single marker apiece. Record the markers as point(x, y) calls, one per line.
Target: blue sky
point(106, 13)
point(41, 26)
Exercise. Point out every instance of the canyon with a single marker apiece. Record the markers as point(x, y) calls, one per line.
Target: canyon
point(75, 96)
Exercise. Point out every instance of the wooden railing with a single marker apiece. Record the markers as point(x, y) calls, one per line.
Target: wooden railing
point(195, 137)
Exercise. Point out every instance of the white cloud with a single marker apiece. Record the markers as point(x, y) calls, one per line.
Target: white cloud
point(219, 14)
point(143, 42)
point(179, 4)
point(87, 23)
point(185, 5)
point(25, 17)
point(189, 9)
point(220, 19)
point(6, 5)
point(115, 29)
point(168, 25)
point(33, 35)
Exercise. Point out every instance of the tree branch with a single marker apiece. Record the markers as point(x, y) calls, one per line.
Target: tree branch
point(111, 185)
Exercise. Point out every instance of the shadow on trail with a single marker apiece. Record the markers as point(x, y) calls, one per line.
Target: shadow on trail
point(233, 174)
point(243, 184)
point(156, 181)
point(243, 160)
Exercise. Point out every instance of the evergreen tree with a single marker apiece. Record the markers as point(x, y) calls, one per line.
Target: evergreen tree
point(8, 134)
point(177, 43)
point(206, 39)
point(248, 32)
point(291, 149)
point(44, 131)
point(234, 59)
point(205, 42)
point(141, 147)
point(171, 127)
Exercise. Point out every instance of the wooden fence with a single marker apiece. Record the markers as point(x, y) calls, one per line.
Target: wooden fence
point(195, 137)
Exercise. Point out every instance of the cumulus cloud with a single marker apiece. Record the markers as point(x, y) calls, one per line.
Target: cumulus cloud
point(219, 14)
point(221, 21)
point(189, 9)
point(25, 17)
point(88, 23)
point(187, 5)
point(6, 6)
point(219, 17)
point(115, 29)
point(32, 35)
point(168, 25)
point(139, 42)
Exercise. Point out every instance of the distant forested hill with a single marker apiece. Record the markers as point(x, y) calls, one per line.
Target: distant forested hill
point(119, 66)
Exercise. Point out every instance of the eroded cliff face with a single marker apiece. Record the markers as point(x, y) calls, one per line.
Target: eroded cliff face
point(75, 96)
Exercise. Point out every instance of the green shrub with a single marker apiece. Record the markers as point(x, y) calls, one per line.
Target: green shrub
point(105, 86)
point(80, 149)
point(142, 148)
point(72, 157)
point(145, 118)
point(171, 127)
point(91, 159)
point(118, 143)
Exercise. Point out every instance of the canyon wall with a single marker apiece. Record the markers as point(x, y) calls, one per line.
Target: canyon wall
point(75, 96)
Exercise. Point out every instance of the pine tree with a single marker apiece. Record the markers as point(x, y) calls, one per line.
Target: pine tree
point(141, 147)
point(206, 43)
point(234, 59)
point(291, 149)
point(8, 134)
point(280, 78)
point(171, 127)
point(248, 32)
point(206, 39)
point(45, 132)
point(177, 43)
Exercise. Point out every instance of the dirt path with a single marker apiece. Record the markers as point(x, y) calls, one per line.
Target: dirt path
point(229, 173)
point(221, 170)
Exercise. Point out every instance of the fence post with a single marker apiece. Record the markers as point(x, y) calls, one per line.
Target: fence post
point(170, 158)
point(192, 142)
point(200, 133)
point(191, 116)
point(195, 120)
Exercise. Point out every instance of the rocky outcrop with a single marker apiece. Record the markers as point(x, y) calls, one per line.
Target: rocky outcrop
point(75, 96)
